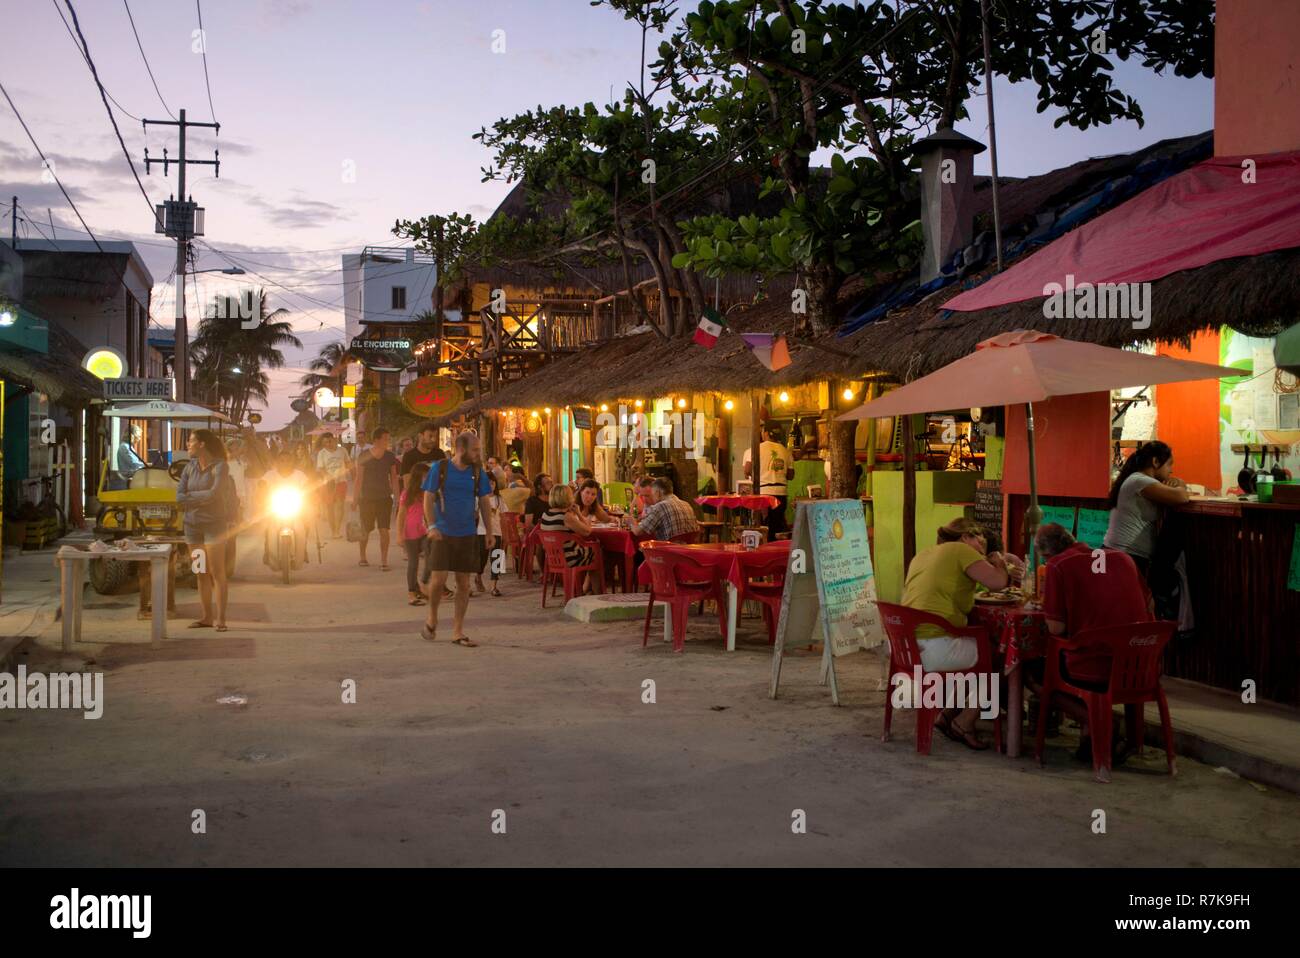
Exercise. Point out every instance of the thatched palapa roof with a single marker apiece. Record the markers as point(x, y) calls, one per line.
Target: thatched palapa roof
point(1258, 295)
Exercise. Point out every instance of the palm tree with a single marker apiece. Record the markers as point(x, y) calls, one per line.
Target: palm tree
point(331, 354)
point(230, 362)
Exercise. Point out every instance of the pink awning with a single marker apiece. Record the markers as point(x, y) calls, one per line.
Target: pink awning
point(1200, 216)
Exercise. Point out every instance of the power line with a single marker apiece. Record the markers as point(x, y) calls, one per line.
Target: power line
point(48, 167)
point(104, 96)
point(203, 48)
point(83, 56)
point(146, 60)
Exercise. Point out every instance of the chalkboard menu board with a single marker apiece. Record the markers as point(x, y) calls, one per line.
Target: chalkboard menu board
point(581, 417)
point(988, 504)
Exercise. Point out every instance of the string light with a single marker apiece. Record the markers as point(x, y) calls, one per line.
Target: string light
point(547, 410)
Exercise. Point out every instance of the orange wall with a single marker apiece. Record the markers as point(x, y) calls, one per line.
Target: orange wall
point(1187, 415)
point(1256, 77)
point(1071, 446)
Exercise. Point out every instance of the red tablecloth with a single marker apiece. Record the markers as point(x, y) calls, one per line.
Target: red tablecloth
point(621, 544)
point(754, 503)
point(1019, 634)
point(728, 560)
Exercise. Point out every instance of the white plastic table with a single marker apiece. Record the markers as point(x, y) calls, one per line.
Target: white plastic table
point(72, 570)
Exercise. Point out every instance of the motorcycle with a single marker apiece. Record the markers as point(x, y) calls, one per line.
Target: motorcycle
point(287, 504)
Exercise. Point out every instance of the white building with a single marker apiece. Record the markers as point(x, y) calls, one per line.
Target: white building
point(98, 293)
point(386, 286)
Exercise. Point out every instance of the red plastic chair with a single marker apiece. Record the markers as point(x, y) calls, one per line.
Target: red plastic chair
point(1135, 652)
point(905, 657)
point(528, 551)
point(558, 569)
point(514, 542)
point(768, 592)
point(686, 538)
point(679, 581)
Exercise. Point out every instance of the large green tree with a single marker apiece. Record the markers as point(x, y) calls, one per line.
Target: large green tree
point(860, 81)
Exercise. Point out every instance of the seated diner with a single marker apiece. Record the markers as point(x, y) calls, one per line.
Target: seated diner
point(942, 580)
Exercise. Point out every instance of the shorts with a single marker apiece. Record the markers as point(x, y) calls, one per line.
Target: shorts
point(947, 654)
point(455, 554)
point(375, 513)
point(333, 492)
point(199, 533)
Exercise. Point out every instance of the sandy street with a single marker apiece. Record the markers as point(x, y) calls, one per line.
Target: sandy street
point(545, 722)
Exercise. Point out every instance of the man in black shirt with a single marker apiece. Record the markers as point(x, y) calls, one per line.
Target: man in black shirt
point(374, 490)
point(539, 501)
point(425, 449)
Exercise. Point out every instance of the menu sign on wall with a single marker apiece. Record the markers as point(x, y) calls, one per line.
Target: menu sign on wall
point(988, 504)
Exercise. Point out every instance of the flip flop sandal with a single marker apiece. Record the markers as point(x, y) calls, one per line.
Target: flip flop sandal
point(466, 642)
point(385, 568)
point(199, 625)
point(415, 602)
point(498, 593)
point(223, 628)
point(967, 738)
point(428, 633)
point(363, 562)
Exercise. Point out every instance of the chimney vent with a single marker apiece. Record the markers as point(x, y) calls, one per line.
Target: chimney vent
point(947, 196)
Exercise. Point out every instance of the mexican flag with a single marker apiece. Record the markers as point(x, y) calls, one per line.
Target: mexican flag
point(710, 328)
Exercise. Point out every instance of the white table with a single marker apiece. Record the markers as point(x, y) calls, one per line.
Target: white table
point(72, 571)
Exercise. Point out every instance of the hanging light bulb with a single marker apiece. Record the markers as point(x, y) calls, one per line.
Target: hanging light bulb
point(784, 397)
point(728, 405)
point(681, 404)
point(848, 393)
point(604, 407)
point(547, 410)
point(638, 404)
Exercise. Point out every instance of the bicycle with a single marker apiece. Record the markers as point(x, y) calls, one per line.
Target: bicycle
point(41, 506)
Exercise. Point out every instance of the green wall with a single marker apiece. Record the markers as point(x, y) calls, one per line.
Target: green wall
point(950, 489)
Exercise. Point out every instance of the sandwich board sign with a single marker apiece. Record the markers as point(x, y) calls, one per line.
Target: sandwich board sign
point(835, 591)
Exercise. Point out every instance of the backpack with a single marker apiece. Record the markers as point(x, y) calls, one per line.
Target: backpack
point(231, 496)
point(443, 466)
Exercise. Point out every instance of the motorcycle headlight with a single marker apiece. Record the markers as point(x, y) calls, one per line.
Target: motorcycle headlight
point(286, 502)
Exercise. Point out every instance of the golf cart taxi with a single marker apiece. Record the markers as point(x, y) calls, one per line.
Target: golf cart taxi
point(137, 499)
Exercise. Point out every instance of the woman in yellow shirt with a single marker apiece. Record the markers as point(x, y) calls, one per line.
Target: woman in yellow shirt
point(942, 580)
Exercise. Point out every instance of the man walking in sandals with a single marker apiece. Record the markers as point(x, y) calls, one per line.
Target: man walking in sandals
point(456, 494)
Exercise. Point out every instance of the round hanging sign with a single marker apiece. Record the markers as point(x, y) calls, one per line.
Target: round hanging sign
point(433, 396)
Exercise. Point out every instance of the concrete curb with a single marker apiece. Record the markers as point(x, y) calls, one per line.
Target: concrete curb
point(1217, 755)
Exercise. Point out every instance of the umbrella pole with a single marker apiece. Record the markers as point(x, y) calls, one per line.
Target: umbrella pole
point(1033, 515)
point(909, 492)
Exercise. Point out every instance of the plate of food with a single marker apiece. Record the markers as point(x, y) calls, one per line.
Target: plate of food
point(1001, 597)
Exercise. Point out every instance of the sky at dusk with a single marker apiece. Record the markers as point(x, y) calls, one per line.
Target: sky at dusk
point(309, 90)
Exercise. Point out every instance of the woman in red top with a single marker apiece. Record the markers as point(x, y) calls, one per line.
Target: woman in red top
point(411, 529)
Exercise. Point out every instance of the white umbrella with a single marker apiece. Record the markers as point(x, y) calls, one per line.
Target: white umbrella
point(165, 409)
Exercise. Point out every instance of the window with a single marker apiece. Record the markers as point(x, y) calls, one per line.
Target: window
point(399, 297)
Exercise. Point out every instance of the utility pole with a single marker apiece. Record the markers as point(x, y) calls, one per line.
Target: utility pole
point(182, 220)
point(13, 227)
